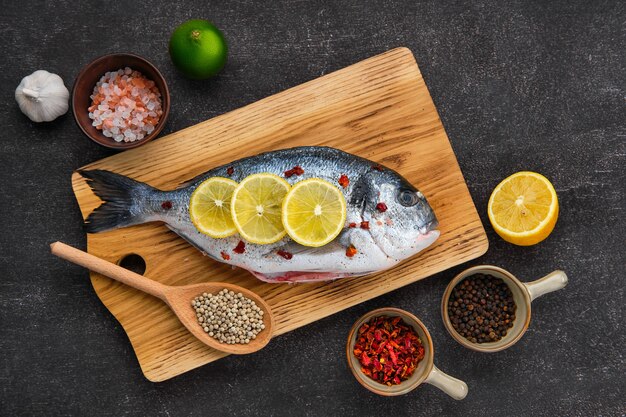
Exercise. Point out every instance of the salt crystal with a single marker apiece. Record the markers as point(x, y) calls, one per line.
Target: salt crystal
point(118, 106)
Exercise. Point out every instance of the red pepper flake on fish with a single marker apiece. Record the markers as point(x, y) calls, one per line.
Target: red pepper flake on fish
point(297, 170)
point(377, 167)
point(351, 251)
point(240, 248)
point(230, 171)
point(352, 225)
point(388, 350)
point(344, 181)
point(365, 225)
point(285, 254)
point(166, 205)
point(382, 207)
point(225, 256)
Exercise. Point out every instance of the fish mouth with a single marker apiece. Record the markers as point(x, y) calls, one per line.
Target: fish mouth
point(429, 227)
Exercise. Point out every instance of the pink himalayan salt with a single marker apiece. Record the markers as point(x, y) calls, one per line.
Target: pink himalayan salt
point(125, 105)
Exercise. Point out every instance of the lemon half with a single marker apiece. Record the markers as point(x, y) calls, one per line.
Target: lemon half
point(523, 208)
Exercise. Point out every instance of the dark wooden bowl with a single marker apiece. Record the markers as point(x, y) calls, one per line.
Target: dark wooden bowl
point(86, 81)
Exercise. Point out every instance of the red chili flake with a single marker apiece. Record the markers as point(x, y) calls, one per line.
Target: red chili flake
point(388, 350)
point(382, 207)
point(344, 181)
point(365, 225)
point(225, 256)
point(352, 225)
point(377, 167)
point(230, 171)
point(240, 248)
point(351, 251)
point(285, 254)
point(297, 170)
point(166, 205)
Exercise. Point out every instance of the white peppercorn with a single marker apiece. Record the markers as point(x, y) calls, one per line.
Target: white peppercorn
point(228, 317)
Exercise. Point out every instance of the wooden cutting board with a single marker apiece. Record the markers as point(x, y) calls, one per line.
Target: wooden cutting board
point(379, 108)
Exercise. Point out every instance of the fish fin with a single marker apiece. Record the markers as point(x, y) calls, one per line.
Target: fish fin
point(297, 249)
point(299, 276)
point(121, 197)
point(192, 181)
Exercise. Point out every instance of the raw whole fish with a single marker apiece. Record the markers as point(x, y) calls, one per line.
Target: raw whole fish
point(388, 219)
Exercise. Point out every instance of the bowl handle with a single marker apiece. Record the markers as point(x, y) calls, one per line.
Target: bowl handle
point(455, 388)
point(553, 281)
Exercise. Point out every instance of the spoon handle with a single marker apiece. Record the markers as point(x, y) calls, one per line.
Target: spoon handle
point(108, 269)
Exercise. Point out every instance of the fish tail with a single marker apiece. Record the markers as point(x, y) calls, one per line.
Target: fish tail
point(122, 198)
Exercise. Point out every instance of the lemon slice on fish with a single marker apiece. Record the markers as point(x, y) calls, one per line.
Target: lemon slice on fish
point(314, 212)
point(523, 208)
point(256, 208)
point(209, 207)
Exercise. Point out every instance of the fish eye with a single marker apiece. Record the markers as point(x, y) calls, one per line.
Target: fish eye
point(408, 198)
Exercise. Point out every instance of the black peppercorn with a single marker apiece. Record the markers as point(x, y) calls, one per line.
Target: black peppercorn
point(483, 308)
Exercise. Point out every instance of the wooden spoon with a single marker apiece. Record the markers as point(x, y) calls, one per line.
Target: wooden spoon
point(177, 298)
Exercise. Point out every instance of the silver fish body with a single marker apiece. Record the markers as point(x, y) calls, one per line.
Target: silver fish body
point(388, 220)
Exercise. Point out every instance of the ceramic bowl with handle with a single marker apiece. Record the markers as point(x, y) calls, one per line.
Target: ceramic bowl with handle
point(426, 371)
point(523, 295)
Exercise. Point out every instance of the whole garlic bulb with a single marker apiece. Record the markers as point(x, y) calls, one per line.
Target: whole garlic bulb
point(42, 96)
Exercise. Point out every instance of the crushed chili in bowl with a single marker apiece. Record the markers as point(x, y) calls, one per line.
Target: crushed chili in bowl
point(388, 350)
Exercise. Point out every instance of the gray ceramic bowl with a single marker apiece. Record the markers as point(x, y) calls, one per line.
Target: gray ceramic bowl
point(523, 295)
point(426, 370)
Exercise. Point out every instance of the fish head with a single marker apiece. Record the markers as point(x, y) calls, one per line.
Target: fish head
point(401, 221)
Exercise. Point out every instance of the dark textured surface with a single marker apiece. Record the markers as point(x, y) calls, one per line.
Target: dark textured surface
point(527, 85)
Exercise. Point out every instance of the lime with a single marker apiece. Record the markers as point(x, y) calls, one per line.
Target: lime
point(198, 49)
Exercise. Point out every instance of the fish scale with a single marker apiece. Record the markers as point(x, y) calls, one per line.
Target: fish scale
point(407, 226)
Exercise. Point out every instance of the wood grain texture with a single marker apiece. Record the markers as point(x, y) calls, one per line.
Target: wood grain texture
point(379, 109)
